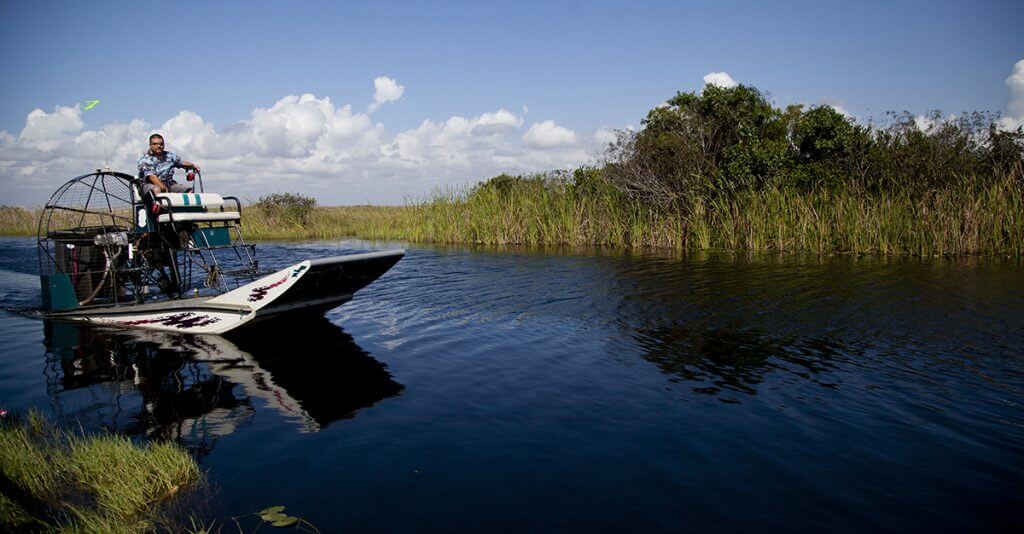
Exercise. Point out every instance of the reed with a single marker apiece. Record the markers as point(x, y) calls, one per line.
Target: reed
point(963, 219)
point(16, 220)
point(390, 222)
point(968, 217)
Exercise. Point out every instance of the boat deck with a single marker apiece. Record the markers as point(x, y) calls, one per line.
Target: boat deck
point(155, 307)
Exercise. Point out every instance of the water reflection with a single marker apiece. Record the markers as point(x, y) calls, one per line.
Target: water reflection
point(726, 327)
point(719, 325)
point(734, 358)
point(196, 389)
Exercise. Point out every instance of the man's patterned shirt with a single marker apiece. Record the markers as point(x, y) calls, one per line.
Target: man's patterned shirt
point(163, 167)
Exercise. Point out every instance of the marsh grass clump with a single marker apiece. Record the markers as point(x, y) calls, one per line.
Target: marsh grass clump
point(124, 479)
point(66, 481)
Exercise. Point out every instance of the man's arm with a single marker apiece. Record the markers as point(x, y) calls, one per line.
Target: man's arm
point(182, 164)
point(160, 187)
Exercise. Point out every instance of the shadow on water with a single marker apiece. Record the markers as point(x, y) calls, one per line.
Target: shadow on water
point(196, 389)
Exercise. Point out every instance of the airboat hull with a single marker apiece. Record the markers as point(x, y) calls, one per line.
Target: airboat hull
point(311, 286)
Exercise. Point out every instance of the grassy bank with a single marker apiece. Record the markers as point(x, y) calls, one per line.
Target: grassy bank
point(962, 219)
point(55, 480)
point(965, 218)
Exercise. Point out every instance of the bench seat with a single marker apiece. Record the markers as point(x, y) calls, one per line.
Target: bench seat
point(190, 200)
point(199, 216)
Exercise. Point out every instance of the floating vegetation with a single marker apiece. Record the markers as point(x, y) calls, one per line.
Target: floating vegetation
point(273, 516)
point(276, 517)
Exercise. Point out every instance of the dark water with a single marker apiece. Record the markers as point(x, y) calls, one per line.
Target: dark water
point(581, 391)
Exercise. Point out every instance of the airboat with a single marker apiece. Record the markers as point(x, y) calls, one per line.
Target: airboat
point(175, 261)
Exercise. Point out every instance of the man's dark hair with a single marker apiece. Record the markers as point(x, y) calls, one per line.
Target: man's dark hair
point(155, 135)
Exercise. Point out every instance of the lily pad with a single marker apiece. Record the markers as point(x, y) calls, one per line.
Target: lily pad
point(285, 522)
point(270, 518)
point(272, 510)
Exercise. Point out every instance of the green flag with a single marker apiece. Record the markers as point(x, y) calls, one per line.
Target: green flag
point(89, 105)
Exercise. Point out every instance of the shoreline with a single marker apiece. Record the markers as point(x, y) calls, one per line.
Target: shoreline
point(969, 220)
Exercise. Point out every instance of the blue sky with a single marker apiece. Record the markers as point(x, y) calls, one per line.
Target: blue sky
point(586, 67)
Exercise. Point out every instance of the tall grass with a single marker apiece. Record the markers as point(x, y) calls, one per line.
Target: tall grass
point(72, 482)
point(16, 220)
point(964, 219)
point(537, 213)
point(968, 217)
point(389, 222)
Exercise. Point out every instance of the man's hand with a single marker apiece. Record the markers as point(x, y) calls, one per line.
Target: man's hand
point(158, 185)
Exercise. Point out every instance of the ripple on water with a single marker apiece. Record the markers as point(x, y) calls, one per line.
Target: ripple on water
point(523, 389)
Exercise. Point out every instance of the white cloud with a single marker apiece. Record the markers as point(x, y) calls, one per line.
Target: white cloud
point(605, 136)
point(838, 108)
point(385, 90)
point(499, 122)
point(721, 79)
point(549, 135)
point(457, 141)
point(1015, 109)
point(837, 105)
point(923, 123)
point(300, 143)
point(44, 130)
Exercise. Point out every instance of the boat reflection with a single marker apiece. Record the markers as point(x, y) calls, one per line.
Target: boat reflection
point(195, 389)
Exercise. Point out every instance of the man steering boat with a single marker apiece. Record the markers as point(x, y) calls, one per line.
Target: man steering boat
point(156, 169)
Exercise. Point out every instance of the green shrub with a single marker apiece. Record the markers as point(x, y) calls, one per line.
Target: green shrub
point(504, 185)
point(754, 162)
point(286, 208)
point(1006, 150)
point(823, 135)
point(722, 141)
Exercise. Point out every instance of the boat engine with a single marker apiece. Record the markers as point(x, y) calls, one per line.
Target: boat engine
point(89, 256)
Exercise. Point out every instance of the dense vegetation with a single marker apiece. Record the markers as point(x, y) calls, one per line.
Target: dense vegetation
point(725, 169)
point(726, 140)
point(285, 209)
point(721, 169)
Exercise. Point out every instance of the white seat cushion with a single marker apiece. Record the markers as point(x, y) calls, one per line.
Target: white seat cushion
point(191, 200)
point(200, 216)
